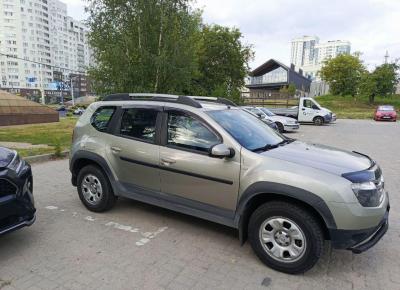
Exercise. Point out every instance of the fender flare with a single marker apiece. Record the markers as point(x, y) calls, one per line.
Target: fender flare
point(283, 190)
point(96, 158)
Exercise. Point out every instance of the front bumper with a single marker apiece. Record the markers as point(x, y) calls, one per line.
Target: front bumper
point(329, 118)
point(291, 127)
point(359, 241)
point(385, 118)
point(17, 209)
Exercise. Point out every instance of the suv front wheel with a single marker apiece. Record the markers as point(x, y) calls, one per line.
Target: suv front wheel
point(94, 189)
point(285, 237)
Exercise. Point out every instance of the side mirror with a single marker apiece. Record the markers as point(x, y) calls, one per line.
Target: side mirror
point(259, 115)
point(315, 107)
point(221, 151)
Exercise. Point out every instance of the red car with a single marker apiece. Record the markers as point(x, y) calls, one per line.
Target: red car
point(385, 113)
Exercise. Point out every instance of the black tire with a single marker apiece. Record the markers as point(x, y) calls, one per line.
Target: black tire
point(308, 224)
point(319, 121)
point(107, 199)
point(281, 129)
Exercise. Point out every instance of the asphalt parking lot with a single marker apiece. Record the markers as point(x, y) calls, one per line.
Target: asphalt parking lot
point(138, 246)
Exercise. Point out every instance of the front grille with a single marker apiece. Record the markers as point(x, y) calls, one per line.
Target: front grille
point(7, 188)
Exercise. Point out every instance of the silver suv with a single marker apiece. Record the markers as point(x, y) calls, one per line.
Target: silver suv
point(207, 158)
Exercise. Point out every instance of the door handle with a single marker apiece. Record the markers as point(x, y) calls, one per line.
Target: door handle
point(115, 149)
point(303, 109)
point(167, 161)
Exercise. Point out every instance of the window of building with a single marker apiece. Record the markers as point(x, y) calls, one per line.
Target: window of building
point(278, 75)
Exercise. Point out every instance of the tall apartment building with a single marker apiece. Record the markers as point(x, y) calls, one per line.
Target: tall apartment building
point(303, 50)
point(40, 31)
point(309, 54)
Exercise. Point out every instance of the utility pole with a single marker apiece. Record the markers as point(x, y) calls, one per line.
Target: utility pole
point(72, 92)
point(41, 85)
point(386, 56)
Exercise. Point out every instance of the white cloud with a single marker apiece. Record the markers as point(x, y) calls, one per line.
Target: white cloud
point(372, 26)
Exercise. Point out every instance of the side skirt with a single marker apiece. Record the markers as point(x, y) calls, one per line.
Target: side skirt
point(178, 204)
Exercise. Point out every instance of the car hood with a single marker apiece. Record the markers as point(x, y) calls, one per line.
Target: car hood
point(321, 157)
point(282, 119)
point(325, 110)
point(6, 156)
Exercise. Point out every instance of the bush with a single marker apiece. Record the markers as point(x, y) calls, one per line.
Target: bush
point(57, 148)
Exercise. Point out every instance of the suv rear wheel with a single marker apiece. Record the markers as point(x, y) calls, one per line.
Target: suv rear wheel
point(94, 189)
point(285, 237)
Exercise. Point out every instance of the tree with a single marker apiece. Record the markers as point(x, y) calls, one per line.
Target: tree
point(386, 78)
point(162, 46)
point(292, 89)
point(223, 62)
point(382, 81)
point(367, 86)
point(143, 45)
point(343, 73)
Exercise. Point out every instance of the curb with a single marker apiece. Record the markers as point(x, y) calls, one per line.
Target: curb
point(46, 157)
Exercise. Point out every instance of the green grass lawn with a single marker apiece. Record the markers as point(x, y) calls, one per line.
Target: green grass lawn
point(348, 107)
point(57, 134)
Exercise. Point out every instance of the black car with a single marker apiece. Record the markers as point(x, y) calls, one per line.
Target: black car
point(17, 207)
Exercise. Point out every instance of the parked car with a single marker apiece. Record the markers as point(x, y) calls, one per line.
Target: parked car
point(16, 199)
point(385, 113)
point(61, 108)
point(266, 121)
point(308, 111)
point(210, 159)
point(284, 124)
point(79, 111)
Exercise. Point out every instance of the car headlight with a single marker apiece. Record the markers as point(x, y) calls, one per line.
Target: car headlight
point(368, 193)
point(15, 164)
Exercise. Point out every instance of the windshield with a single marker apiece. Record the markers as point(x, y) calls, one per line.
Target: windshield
point(385, 108)
point(248, 130)
point(267, 112)
point(315, 102)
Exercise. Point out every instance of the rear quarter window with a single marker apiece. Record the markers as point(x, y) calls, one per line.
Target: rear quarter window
point(102, 117)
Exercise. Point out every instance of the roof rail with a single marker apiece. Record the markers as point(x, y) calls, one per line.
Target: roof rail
point(185, 100)
point(132, 96)
point(215, 100)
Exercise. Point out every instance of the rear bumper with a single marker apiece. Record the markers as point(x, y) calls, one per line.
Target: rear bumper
point(359, 241)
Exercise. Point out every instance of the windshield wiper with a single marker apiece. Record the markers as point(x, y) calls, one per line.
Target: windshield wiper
point(272, 146)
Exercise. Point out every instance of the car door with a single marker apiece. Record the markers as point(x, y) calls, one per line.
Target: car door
point(307, 112)
point(187, 169)
point(133, 149)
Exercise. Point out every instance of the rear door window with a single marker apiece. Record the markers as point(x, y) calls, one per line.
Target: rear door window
point(139, 123)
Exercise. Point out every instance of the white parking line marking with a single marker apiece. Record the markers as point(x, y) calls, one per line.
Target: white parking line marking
point(89, 218)
point(51, 207)
point(122, 227)
point(149, 236)
point(146, 236)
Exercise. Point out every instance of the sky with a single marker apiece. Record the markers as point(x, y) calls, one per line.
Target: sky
point(372, 26)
